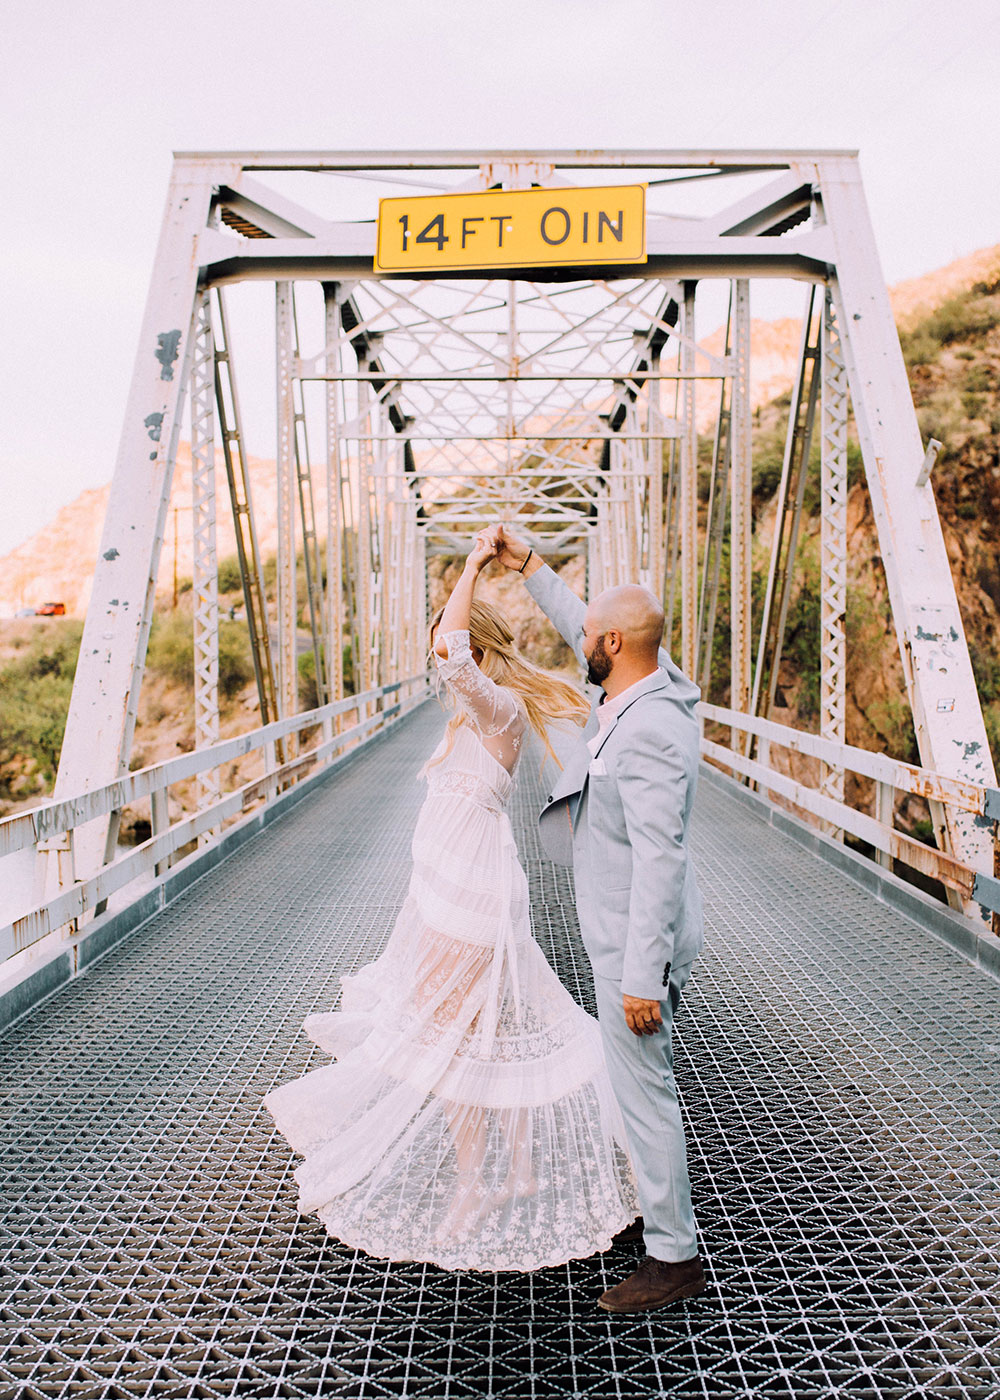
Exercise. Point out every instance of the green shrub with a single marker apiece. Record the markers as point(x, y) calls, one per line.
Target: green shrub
point(171, 648)
point(855, 463)
point(977, 379)
point(308, 693)
point(986, 669)
point(991, 714)
point(866, 629)
point(230, 578)
point(802, 634)
point(235, 659)
point(919, 347)
point(171, 652)
point(35, 690)
point(892, 719)
point(968, 316)
point(768, 455)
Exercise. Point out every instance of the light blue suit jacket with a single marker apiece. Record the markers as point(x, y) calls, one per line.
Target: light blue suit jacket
point(621, 819)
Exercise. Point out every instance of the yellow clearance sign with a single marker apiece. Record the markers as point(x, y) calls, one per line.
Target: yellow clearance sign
point(512, 228)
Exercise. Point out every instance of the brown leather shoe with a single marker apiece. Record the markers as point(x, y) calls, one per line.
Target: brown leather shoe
point(655, 1284)
point(631, 1234)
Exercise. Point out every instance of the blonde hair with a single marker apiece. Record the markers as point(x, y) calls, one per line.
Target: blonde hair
point(545, 696)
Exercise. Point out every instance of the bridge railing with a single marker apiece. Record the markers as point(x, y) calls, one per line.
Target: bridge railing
point(50, 827)
point(890, 776)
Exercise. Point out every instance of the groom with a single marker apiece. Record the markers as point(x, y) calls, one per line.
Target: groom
point(619, 814)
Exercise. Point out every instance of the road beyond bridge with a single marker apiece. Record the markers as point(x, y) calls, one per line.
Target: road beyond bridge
point(840, 1073)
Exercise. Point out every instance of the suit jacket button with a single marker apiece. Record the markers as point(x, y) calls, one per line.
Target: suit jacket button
point(666, 975)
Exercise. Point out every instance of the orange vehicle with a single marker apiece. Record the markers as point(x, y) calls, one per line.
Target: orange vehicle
point(51, 610)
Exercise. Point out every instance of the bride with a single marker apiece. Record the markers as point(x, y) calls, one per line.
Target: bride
point(468, 1120)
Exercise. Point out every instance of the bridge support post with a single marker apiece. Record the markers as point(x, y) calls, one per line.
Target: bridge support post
point(334, 539)
point(742, 518)
point(833, 550)
point(654, 465)
point(688, 521)
point(364, 575)
point(286, 470)
point(205, 563)
point(947, 717)
point(102, 713)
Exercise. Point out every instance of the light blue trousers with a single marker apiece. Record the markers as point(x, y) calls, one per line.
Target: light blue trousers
point(642, 1077)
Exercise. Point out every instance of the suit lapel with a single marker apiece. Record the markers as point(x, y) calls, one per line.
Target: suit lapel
point(573, 779)
point(606, 733)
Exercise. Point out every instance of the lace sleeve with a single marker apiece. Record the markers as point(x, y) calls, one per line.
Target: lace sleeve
point(490, 707)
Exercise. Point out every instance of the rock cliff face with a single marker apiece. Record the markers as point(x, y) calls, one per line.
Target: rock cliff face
point(58, 562)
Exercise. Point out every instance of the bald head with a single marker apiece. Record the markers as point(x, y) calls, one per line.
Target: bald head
point(634, 612)
point(622, 629)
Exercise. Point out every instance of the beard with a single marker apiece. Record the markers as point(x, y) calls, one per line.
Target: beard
point(598, 664)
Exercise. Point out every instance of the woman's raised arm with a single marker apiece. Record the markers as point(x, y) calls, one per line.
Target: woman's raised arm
point(490, 707)
point(457, 610)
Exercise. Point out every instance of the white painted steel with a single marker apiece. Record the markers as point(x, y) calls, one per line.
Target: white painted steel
point(205, 581)
point(965, 796)
point(879, 834)
point(741, 498)
point(500, 401)
point(101, 719)
point(833, 548)
point(288, 678)
point(334, 524)
point(688, 515)
point(951, 734)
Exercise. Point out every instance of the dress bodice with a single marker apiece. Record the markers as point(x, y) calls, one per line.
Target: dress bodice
point(478, 758)
point(469, 770)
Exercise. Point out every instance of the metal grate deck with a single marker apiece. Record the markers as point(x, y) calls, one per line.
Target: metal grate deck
point(841, 1079)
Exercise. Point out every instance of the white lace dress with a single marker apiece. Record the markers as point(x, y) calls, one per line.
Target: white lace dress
point(468, 1120)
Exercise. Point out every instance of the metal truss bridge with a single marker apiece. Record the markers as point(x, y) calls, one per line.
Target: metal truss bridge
point(839, 1048)
point(840, 1074)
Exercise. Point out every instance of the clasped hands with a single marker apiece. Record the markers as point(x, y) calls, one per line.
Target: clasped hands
point(496, 542)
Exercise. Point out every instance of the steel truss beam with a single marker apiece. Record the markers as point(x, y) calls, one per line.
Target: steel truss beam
point(741, 509)
point(951, 734)
point(541, 397)
point(100, 724)
point(205, 581)
point(788, 512)
point(288, 677)
point(833, 548)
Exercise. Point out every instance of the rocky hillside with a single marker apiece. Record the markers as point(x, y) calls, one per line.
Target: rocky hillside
point(58, 562)
point(953, 357)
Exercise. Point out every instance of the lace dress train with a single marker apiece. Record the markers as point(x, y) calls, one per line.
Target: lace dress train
point(468, 1120)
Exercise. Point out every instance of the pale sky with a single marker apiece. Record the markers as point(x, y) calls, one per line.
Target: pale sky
point(94, 98)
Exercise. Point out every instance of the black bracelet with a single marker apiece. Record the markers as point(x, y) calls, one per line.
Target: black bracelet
point(526, 558)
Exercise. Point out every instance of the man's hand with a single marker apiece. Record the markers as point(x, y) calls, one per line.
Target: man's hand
point(642, 1017)
point(513, 549)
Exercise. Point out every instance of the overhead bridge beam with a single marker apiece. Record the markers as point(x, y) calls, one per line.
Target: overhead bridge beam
point(635, 159)
point(348, 254)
